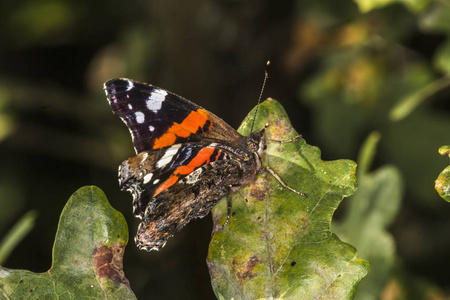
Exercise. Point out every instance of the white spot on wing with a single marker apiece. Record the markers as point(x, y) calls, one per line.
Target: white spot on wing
point(167, 157)
point(163, 161)
point(155, 100)
point(130, 85)
point(151, 128)
point(140, 117)
point(172, 150)
point(144, 158)
point(130, 107)
point(148, 177)
point(194, 176)
point(156, 181)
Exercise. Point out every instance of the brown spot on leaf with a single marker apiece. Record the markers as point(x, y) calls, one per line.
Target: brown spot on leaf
point(258, 193)
point(279, 130)
point(109, 263)
point(444, 150)
point(245, 271)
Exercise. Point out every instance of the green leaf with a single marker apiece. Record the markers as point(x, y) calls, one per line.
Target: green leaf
point(17, 234)
point(331, 107)
point(40, 20)
point(442, 58)
point(367, 153)
point(278, 244)
point(414, 5)
point(407, 104)
point(87, 255)
point(442, 183)
point(444, 150)
point(7, 122)
point(435, 20)
point(368, 215)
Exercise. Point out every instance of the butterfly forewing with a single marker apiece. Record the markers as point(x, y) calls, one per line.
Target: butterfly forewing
point(157, 118)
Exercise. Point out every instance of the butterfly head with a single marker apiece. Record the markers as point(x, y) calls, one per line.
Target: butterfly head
point(257, 145)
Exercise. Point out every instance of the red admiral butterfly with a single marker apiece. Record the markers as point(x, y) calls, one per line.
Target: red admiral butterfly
point(187, 158)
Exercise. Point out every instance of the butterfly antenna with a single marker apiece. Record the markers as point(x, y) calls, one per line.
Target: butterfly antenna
point(266, 75)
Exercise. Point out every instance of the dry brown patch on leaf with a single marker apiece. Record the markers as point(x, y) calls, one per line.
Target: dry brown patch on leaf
point(109, 263)
point(258, 194)
point(258, 191)
point(245, 271)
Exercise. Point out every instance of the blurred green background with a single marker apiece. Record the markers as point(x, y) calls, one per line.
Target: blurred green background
point(342, 69)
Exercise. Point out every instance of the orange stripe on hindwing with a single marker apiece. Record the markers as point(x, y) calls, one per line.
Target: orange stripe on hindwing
point(190, 125)
point(166, 184)
point(203, 157)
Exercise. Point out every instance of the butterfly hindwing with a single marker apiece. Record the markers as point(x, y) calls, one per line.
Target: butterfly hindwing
point(151, 173)
point(191, 197)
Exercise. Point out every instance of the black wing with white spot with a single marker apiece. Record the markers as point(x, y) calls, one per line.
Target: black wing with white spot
point(157, 118)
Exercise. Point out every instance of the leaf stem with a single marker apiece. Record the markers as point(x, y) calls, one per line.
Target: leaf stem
point(367, 153)
point(16, 234)
point(406, 105)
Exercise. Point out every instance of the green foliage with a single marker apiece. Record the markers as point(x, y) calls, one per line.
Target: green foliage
point(277, 243)
point(406, 105)
point(442, 183)
point(413, 5)
point(16, 234)
point(435, 20)
point(38, 21)
point(368, 216)
point(87, 255)
point(358, 89)
point(7, 123)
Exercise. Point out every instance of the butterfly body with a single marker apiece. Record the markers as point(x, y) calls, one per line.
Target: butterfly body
point(187, 158)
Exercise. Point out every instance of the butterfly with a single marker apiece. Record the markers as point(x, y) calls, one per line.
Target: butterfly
point(187, 158)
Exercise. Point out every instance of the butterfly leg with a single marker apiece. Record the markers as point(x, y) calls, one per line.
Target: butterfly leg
point(277, 177)
point(274, 174)
point(294, 139)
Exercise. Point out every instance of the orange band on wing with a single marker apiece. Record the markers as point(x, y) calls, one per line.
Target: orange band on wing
point(203, 157)
point(166, 184)
point(195, 120)
point(218, 155)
